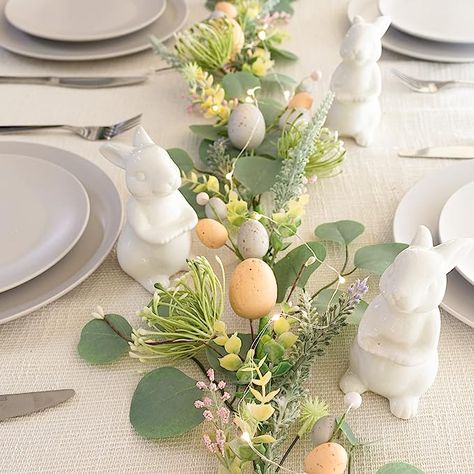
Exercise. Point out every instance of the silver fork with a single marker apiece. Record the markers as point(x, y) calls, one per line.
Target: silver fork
point(427, 86)
point(89, 133)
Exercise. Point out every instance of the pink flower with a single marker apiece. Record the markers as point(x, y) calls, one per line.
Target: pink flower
point(199, 404)
point(313, 179)
point(201, 385)
point(213, 387)
point(207, 402)
point(208, 415)
point(220, 440)
point(209, 444)
point(225, 396)
point(210, 374)
point(223, 413)
point(221, 385)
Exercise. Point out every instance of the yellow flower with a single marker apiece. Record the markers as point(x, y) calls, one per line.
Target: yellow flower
point(296, 206)
point(221, 340)
point(220, 327)
point(261, 412)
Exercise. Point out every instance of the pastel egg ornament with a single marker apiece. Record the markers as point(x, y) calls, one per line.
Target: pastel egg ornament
point(252, 240)
point(216, 209)
point(227, 8)
point(323, 430)
point(327, 458)
point(252, 289)
point(302, 100)
point(211, 233)
point(246, 127)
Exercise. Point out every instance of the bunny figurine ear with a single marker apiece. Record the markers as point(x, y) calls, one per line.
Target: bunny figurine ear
point(358, 20)
point(422, 238)
point(454, 251)
point(382, 23)
point(142, 138)
point(117, 153)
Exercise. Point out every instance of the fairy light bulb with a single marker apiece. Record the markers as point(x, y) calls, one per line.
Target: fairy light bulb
point(262, 35)
point(341, 279)
point(287, 95)
point(246, 437)
point(275, 317)
point(228, 176)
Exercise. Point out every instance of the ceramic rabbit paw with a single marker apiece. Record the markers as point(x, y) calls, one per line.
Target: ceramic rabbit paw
point(404, 408)
point(351, 383)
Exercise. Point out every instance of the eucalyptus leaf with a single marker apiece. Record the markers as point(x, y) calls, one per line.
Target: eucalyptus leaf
point(347, 432)
point(256, 173)
point(190, 196)
point(238, 83)
point(271, 110)
point(280, 80)
point(342, 232)
point(104, 341)
point(163, 404)
point(376, 258)
point(279, 53)
point(203, 147)
point(269, 146)
point(208, 131)
point(274, 350)
point(399, 468)
point(331, 296)
point(287, 268)
point(182, 159)
point(213, 357)
point(284, 6)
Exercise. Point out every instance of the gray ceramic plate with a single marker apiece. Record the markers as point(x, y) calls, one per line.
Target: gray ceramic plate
point(172, 20)
point(91, 249)
point(44, 210)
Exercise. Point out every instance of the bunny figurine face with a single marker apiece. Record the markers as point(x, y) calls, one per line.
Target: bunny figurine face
point(150, 172)
point(416, 281)
point(362, 44)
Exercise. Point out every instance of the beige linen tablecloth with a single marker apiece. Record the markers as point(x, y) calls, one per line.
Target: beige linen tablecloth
point(91, 433)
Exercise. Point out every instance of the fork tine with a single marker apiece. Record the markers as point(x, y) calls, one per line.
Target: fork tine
point(121, 127)
point(404, 78)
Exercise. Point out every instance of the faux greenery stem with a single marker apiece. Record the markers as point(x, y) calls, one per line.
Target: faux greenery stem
point(288, 451)
point(298, 276)
point(204, 371)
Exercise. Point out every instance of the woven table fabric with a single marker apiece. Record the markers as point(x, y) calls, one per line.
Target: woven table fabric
point(91, 433)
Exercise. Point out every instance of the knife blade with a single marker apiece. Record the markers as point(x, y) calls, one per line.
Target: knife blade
point(76, 82)
point(459, 152)
point(19, 404)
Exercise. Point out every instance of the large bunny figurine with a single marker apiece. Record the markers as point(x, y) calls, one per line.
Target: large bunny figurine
point(156, 239)
point(395, 351)
point(357, 82)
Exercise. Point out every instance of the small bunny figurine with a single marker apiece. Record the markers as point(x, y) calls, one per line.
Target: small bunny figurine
point(395, 351)
point(357, 83)
point(156, 239)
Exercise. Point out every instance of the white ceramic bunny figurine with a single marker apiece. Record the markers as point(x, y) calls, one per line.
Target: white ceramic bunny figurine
point(395, 351)
point(156, 239)
point(357, 82)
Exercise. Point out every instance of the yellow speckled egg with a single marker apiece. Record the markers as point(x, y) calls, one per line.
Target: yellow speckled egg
point(211, 233)
point(302, 99)
point(227, 8)
point(327, 458)
point(253, 289)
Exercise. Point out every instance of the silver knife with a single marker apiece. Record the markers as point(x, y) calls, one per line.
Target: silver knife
point(460, 152)
point(76, 82)
point(20, 404)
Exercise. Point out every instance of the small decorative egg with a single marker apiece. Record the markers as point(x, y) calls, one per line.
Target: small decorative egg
point(202, 199)
point(216, 209)
point(246, 127)
point(252, 289)
point(327, 458)
point(302, 100)
point(252, 239)
point(211, 233)
point(227, 8)
point(294, 117)
point(323, 429)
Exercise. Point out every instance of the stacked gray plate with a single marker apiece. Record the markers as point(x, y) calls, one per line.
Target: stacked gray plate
point(71, 30)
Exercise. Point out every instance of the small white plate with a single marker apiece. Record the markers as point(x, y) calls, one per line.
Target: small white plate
point(82, 20)
point(172, 20)
point(422, 204)
point(91, 249)
point(402, 43)
point(437, 20)
point(44, 210)
point(457, 220)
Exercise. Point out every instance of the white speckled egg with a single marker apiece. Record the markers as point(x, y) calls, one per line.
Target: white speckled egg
point(216, 209)
point(252, 239)
point(246, 127)
point(323, 430)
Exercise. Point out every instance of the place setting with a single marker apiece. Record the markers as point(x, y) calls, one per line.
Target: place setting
point(252, 250)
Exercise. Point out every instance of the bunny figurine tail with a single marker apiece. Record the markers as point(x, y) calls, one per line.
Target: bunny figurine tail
point(395, 352)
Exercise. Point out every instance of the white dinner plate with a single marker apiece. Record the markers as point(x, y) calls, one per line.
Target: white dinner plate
point(172, 20)
point(95, 244)
point(402, 43)
point(457, 220)
point(422, 204)
point(437, 20)
point(44, 210)
point(82, 20)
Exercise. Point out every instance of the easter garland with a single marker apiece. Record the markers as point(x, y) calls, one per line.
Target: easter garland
point(256, 160)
